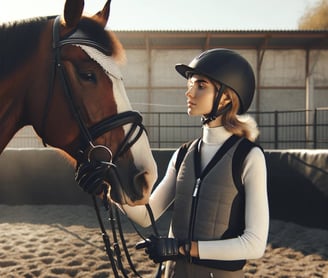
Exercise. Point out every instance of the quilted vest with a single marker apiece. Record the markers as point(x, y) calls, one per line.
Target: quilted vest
point(216, 210)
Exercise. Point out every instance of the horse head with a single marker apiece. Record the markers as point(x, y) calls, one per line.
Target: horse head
point(76, 100)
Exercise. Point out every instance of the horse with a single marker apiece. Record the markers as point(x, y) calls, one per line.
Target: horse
point(61, 76)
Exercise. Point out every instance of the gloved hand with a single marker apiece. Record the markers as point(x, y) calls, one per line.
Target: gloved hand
point(90, 176)
point(160, 249)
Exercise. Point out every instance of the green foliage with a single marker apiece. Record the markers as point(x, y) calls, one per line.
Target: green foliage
point(316, 17)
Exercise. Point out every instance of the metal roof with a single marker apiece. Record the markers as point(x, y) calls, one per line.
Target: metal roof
point(228, 39)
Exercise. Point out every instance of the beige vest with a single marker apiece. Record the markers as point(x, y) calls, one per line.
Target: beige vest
point(219, 205)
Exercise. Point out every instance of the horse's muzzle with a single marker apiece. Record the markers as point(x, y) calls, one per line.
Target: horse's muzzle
point(121, 193)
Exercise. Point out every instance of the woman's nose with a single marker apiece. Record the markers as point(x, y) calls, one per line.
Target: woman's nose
point(189, 92)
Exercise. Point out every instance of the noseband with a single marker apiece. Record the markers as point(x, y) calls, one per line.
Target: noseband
point(88, 135)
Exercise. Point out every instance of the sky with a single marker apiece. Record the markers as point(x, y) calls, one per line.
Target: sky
point(176, 14)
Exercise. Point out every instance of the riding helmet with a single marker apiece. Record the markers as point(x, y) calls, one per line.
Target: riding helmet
point(226, 67)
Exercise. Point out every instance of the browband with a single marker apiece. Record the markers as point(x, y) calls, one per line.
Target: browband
point(78, 36)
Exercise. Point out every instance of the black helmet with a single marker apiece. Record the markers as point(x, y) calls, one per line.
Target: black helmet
point(226, 67)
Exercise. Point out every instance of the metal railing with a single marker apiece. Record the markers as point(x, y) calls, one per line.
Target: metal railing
point(301, 129)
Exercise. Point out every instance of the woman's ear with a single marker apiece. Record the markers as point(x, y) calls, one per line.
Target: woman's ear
point(224, 101)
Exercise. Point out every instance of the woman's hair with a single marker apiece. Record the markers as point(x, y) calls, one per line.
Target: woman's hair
point(241, 125)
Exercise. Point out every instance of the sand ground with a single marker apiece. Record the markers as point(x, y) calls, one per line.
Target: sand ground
point(65, 241)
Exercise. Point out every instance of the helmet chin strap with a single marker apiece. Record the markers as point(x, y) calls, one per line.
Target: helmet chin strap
point(215, 112)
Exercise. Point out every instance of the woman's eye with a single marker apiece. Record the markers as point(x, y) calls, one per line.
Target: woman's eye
point(201, 85)
point(88, 76)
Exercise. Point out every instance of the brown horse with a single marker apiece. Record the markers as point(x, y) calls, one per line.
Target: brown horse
point(60, 76)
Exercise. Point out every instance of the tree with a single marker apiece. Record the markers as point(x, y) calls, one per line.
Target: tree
point(315, 18)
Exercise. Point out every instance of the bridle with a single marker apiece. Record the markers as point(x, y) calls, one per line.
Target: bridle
point(88, 135)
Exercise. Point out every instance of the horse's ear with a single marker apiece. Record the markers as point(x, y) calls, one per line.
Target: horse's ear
point(73, 12)
point(103, 15)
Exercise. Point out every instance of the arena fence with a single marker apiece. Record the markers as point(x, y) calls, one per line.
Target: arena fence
point(297, 181)
point(301, 129)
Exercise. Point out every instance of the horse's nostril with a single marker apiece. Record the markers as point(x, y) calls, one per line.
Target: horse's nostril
point(140, 180)
point(142, 188)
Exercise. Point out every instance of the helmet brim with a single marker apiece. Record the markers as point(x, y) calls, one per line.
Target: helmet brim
point(184, 70)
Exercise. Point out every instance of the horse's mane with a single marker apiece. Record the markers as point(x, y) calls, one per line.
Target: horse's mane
point(19, 40)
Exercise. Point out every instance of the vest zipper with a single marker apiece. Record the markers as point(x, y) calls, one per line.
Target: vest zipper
point(198, 181)
point(193, 213)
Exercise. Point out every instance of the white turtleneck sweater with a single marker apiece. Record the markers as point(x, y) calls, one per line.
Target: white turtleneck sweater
point(251, 244)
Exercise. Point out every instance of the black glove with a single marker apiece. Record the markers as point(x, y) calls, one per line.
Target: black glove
point(160, 249)
point(90, 176)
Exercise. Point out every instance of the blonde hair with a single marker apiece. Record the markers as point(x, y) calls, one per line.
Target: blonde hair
point(241, 125)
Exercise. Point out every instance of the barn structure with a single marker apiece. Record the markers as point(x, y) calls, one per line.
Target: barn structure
point(291, 69)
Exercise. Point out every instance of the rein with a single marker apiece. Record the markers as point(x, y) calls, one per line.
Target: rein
point(87, 137)
point(114, 218)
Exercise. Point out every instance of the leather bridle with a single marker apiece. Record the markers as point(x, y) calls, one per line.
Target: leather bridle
point(88, 135)
point(87, 147)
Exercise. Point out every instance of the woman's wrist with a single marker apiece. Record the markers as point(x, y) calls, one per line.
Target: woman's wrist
point(192, 248)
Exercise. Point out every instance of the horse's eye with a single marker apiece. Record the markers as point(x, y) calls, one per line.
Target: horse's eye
point(88, 76)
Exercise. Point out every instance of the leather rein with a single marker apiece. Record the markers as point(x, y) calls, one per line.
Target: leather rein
point(87, 137)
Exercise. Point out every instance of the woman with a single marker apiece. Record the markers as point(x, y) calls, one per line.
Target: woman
point(224, 225)
point(220, 215)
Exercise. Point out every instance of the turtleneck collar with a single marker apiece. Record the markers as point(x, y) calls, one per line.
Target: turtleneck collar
point(215, 135)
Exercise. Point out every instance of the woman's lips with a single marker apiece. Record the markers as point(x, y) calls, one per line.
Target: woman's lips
point(190, 104)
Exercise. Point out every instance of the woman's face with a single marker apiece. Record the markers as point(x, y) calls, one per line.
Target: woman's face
point(200, 95)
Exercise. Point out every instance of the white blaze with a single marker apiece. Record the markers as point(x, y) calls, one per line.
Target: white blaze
point(113, 72)
point(141, 151)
